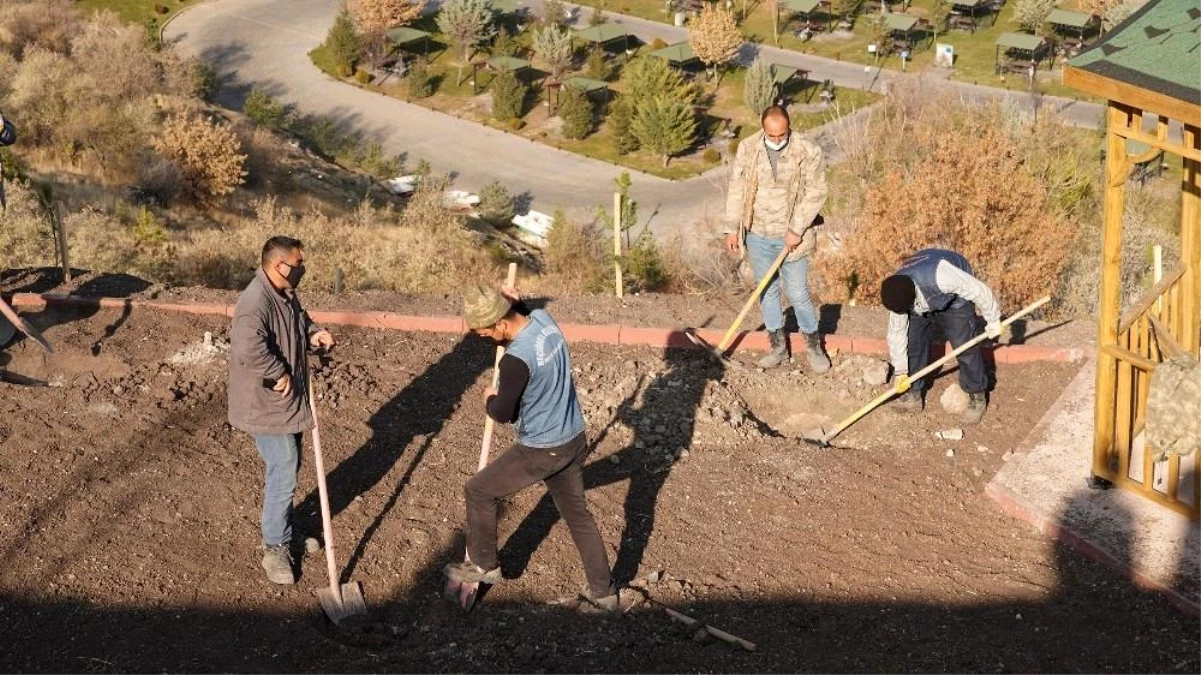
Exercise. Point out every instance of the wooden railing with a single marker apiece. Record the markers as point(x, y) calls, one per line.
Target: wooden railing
point(1129, 462)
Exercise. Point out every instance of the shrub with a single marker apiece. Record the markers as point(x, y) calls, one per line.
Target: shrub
point(657, 44)
point(575, 253)
point(624, 141)
point(421, 83)
point(597, 66)
point(208, 155)
point(496, 204)
point(362, 76)
point(160, 177)
point(644, 263)
point(205, 81)
point(508, 97)
point(711, 156)
point(504, 44)
point(160, 9)
point(515, 124)
point(263, 110)
point(342, 43)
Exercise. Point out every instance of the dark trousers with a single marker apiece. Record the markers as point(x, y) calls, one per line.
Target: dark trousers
point(561, 468)
point(959, 325)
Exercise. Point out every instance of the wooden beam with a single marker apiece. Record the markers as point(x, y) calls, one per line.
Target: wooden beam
point(1114, 90)
point(1181, 150)
point(1110, 300)
point(1190, 246)
point(1154, 293)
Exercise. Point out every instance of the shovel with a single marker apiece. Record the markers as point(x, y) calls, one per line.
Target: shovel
point(719, 352)
point(467, 593)
point(25, 328)
point(340, 601)
point(824, 441)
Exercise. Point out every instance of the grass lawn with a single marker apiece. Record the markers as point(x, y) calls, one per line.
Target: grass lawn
point(135, 11)
point(975, 52)
point(454, 96)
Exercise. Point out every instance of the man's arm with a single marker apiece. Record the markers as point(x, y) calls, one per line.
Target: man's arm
point(8, 133)
point(514, 376)
point(898, 342)
point(249, 346)
point(736, 194)
point(951, 279)
point(813, 189)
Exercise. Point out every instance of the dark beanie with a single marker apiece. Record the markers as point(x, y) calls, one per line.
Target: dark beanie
point(897, 293)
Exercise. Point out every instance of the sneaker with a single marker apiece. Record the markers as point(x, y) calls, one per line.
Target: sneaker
point(976, 405)
point(910, 402)
point(779, 350)
point(277, 561)
point(467, 572)
point(819, 362)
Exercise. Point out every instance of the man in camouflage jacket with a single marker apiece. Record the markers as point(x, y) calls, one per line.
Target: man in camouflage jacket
point(777, 188)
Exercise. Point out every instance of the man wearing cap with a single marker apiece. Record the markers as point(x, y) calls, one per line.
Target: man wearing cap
point(537, 393)
point(936, 286)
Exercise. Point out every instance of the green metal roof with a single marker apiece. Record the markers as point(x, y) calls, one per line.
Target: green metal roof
point(802, 6)
point(1020, 41)
point(504, 6)
point(901, 22)
point(1155, 49)
point(405, 35)
point(508, 63)
point(1064, 17)
point(782, 74)
point(588, 84)
point(970, 4)
point(605, 32)
point(677, 54)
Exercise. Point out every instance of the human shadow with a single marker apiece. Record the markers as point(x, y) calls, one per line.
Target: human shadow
point(84, 303)
point(420, 410)
point(645, 464)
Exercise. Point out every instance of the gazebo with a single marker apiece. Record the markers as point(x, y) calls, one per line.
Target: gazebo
point(1072, 26)
point(971, 8)
point(600, 35)
point(404, 37)
point(496, 64)
point(1022, 51)
point(1147, 69)
point(806, 10)
point(678, 55)
point(900, 30)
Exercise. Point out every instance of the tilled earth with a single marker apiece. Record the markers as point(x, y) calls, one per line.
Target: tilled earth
point(129, 525)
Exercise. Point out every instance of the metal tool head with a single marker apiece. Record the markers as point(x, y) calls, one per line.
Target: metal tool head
point(697, 340)
point(338, 609)
point(465, 594)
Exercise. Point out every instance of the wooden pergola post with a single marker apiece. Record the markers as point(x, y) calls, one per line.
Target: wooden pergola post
point(1190, 242)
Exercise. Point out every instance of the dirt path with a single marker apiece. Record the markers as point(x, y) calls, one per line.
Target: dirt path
point(128, 536)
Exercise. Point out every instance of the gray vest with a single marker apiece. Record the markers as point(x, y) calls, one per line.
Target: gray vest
point(922, 268)
point(550, 413)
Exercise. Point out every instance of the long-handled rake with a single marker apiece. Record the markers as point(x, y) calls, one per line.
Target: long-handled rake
point(824, 441)
point(465, 593)
point(340, 601)
point(719, 352)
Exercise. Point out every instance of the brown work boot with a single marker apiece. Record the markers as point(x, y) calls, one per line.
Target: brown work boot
point(467, 572)
point(605, 604)
point(277, 561)
point(976, 405)
point(779, 350)
point(910, 402)
point(819, 362)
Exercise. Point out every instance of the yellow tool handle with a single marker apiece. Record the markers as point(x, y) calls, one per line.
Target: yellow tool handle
point(771, 272)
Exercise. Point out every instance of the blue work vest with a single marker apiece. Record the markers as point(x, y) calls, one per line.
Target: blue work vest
point(922, 267)
point(549, 414)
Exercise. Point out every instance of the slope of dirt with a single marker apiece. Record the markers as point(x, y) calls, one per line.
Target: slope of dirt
point(129, 532)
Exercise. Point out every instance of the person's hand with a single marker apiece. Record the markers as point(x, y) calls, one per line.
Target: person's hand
point(489, 392)
point(284, 385)
point(792, 240)
point(511, 293)
point(993, 330)
point(322, 340)
point(732, 242)
point(902, 383)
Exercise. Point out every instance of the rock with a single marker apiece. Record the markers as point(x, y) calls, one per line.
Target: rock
point(950, 453)
point(1005, 457)
point(614, 459)
point(950, 434)
point(654, 577)
point(954, 400)
point(682, 454)
point(875, 372)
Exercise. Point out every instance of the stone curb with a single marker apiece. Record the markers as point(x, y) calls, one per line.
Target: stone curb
point(604, 334)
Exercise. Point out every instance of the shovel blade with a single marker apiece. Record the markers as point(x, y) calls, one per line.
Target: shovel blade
point(699, 342)
point(338, 609)
point(465, 594)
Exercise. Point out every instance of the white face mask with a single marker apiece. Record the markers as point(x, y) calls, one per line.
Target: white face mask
point(775, 146)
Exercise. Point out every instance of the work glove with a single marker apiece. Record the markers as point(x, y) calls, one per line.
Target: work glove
point(902, 383)
point(993, 330)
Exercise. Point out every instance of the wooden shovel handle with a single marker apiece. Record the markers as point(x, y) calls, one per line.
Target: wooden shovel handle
point(25, 328)
point(931, 368)
point(750, 302)
point(327, 528)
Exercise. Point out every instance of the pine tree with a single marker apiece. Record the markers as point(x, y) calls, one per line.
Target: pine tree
point(342, 42)
point(576, 112)
point(496, 204)
point(508, 97)
point(759, 87)
point(664, 126)
point(620, 121)
point(647, 77)
point(466, 22)
point(552, 44)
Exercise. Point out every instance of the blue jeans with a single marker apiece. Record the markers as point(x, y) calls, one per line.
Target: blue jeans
point(281, 454)
point(763, 251)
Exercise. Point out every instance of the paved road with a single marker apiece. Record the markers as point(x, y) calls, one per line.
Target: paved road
point(265, 43)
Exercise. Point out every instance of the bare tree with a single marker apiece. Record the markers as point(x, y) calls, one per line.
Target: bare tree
point(552, 44)
point(714, 36)
point(467, 22)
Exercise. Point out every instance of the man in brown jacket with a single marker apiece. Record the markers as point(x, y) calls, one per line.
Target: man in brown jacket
point(268, 387)
point(777, 188)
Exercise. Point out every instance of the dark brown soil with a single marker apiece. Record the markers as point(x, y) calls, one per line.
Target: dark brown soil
point(129, 528)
